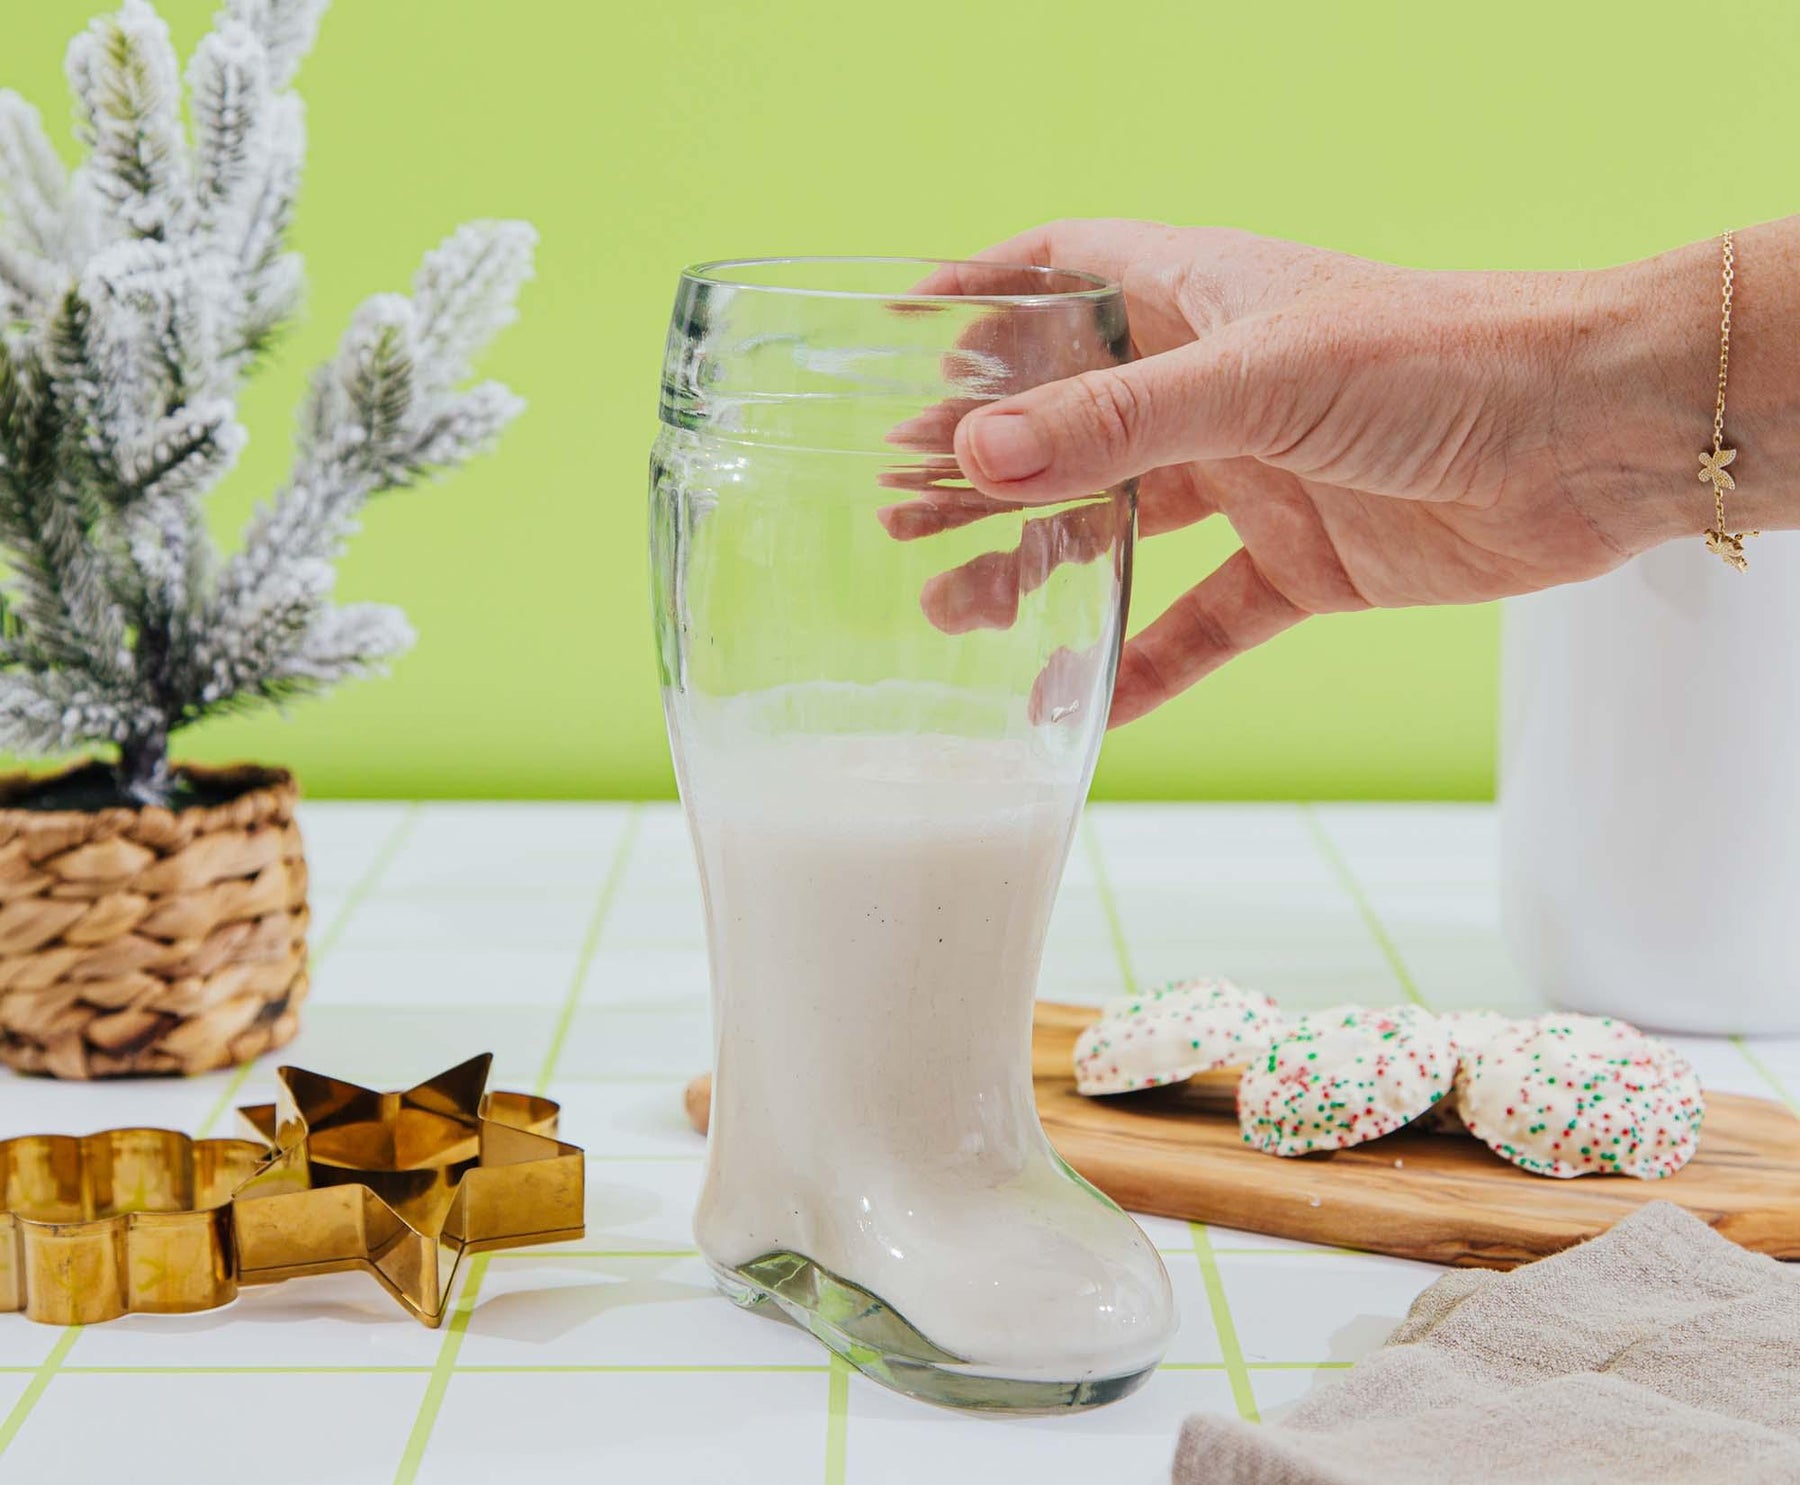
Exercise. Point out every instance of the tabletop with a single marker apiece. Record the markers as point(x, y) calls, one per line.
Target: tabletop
point(567, 939)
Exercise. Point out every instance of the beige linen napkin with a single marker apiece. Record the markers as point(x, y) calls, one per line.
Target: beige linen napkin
point(1658, 1352)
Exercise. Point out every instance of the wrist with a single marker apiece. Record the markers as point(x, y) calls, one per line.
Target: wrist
point(1640, 386)
point(1645, 383)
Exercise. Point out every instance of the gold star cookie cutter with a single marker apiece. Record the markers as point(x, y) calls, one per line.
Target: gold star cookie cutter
point(403, 1185)
point(150, 1221)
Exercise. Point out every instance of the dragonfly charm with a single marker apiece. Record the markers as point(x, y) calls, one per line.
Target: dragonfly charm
point(1730, 547)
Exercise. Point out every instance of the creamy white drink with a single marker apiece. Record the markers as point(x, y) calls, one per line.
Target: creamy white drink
point(877, 910)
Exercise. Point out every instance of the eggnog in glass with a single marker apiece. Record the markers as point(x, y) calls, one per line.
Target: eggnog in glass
point(885, 695)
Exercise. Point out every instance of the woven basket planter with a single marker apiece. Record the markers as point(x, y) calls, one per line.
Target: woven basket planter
point(146, 941)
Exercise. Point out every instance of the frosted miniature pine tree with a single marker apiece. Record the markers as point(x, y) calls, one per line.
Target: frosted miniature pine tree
point(135, 296)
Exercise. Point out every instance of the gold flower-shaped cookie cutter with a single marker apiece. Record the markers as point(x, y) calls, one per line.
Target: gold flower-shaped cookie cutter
point(120, 1222)
point(404, 1185)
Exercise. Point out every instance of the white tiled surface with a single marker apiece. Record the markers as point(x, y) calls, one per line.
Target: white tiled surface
point(566, 938)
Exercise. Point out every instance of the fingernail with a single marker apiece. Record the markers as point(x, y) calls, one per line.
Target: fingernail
point(1007, 446)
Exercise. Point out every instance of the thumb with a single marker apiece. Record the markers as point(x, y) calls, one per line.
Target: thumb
point(1203, 400)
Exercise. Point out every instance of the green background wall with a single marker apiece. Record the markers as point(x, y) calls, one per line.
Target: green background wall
point(640, 136)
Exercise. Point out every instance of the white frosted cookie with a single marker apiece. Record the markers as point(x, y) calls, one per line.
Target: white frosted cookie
point(1169, 1035)
point(1469, 1032)
point(1569, 1095)
point(1339, 1077)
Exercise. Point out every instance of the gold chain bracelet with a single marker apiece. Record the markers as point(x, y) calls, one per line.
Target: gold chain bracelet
point(1728, 544)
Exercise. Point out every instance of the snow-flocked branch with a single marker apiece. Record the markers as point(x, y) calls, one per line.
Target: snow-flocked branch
point(135, 294)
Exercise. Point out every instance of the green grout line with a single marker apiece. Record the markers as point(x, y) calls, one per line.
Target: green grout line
point(596, 1253)
point(1766, 1073)
point(1233, 1364)
point(486, 891)
point(529, 1368)
point(52, 1363)
point(228, 1095)
point(433, 1401)
point(232, 1371)
point(1255, 1366)
point(1371, 920)
point(1109, 905)
point(1322, 1251)
point(837, 1421)
point(34, 1389)
point(609, 889)
point(1241, 1392)
point(327, 941)
point(1301, 1366)
point(612, 1368)
point(365, 884)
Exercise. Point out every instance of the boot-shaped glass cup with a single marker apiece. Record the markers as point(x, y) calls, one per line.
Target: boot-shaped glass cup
point(885, 694)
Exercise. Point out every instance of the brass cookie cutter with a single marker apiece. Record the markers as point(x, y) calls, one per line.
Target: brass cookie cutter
point(127, 1221)
point(404, 1185)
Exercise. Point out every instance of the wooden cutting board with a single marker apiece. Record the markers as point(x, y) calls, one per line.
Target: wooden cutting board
point(1175, 1152)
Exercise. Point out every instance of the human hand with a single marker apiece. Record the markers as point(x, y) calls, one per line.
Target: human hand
point(1377, 436)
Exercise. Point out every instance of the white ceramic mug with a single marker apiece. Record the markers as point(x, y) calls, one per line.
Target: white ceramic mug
point(1650, 790)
